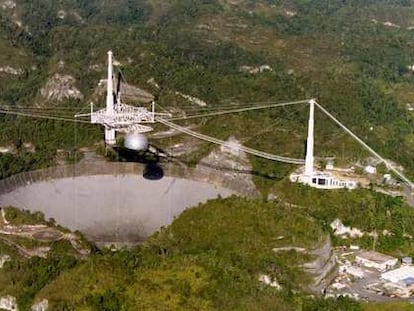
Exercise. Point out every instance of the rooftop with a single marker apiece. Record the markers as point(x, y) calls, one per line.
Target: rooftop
point(374, 256)
point(408, 281)
point(404, 274)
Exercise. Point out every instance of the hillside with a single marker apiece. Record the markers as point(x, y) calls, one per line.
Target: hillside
point(226, 254)
point(353, 56)
point(205, 260)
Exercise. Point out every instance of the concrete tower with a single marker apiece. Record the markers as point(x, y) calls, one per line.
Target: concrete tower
point(110, 132)
point(309, 142)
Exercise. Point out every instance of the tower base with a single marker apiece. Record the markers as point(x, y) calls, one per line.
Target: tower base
point(323, 180)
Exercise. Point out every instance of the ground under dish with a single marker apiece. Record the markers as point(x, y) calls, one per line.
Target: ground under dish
point(109, 208)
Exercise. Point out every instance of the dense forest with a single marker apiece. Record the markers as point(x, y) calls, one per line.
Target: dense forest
point(353, 56)
point(210, 257)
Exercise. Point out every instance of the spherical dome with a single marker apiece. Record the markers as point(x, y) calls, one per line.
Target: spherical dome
point(135, 141)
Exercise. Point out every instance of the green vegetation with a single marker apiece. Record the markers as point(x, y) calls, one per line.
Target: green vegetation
point(211, 257)
point(11, 164)
point(24, 278)
point(353, 56)
point(364, 209)
point(7, 249)
point(47, 137)
point(19, 217)
point(330, 52)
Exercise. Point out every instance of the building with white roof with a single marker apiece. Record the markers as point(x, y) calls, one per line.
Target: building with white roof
point(376, 260)
point(320, 180)
point(370, 169)
point(402, 279)
point(403, 275)
point(406, 260)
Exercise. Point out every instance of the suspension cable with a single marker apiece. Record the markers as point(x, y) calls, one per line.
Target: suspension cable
point(239, 110)
point(24, 114)
point(361, 142)
point(224, 143)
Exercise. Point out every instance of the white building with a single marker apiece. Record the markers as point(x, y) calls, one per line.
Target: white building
point(354, 271)
point(341, 230)
point(321, 180)
point(376, 260)
point(8, 303)
point(370, 169)
point(328, 181)
point(387, 178)
point(329, 165)
point(402, 279)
